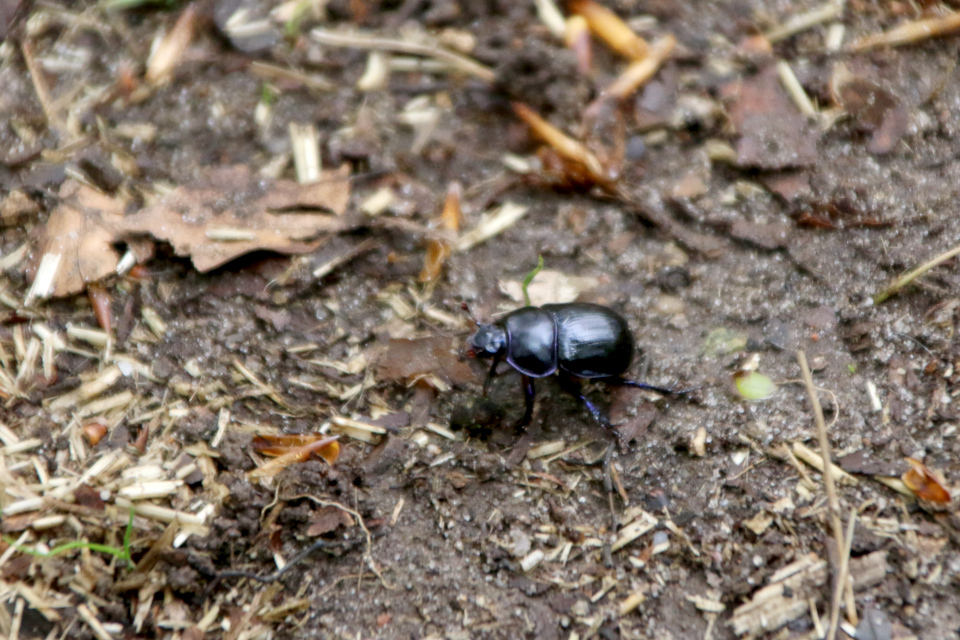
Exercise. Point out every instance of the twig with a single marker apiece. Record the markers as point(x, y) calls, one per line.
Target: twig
point(904, 280)
point(844, 584)
point(828, 482)
point(804, 21)
point(909, 33)
point(273, 577)
point(41, 89)
point(363, 41)
point(795, 89)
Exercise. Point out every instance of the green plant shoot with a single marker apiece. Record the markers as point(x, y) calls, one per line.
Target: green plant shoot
point(120, 553)
point(529, 278)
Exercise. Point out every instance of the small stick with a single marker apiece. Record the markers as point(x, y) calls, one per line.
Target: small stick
point(909, 33)
point(642, 70)
point(845, 583)
point(41, 88)
point(828, 482)
point(904, 280)
point(795, 89)
point(804, 21)
point(363, 41)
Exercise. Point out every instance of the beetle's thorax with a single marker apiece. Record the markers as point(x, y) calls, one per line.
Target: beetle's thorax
point(531, 341)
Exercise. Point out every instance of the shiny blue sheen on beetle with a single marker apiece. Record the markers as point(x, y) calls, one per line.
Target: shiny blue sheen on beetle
point(576, 340)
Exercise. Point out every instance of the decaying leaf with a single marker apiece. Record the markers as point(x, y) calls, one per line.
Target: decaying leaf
point(82, 230)
point(328, 519)
point(409, 360)
point(293, 449)
point(232, 212)
point(550, 287)
point(773, 133)
point(877, 110)
point(438, 249)
point(926, 483)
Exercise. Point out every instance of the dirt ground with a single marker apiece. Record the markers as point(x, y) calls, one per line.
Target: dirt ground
point(730, 231)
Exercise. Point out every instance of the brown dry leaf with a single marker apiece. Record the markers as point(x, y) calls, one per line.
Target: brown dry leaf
point(927, 484)
point(438, 250)
point(82, 230)
point(407, 360)
point(550, 287)
point(773, 133)
point(328, 519)
point(234, 211)
point(877, 110)
point(327, 448)
point(270, 445)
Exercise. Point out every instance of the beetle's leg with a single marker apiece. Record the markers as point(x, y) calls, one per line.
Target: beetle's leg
point(572, 386)
point(528, 392)
point(493, 372)
point(623, 382)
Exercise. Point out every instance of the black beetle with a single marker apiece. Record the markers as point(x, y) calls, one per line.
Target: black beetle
point(576, 340)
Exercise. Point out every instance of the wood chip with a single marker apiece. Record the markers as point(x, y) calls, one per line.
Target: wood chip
point(812, 458)
point(643, 523)
point(492, 224)
point(783, 599)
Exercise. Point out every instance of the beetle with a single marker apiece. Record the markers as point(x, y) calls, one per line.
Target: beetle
point(575, 340)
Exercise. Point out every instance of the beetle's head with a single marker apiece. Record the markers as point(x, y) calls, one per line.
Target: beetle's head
point(489, 341)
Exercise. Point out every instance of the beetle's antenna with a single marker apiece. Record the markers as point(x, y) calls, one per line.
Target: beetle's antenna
point(466, 308)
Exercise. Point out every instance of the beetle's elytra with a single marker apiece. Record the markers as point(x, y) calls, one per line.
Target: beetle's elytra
point(575, 340)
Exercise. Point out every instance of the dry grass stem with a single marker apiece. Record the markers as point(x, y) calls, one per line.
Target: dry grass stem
point(305, 142)
point(550, 15)
point(273, 72)
point(828, 481)
point(909, 33)
point(815, 460)
point(41, 89)
point(491, 224)
point(641, 71)
point(904, 280)
point(368, 42)
point(42, 285)
point(95, 625)
point(167, 55)
point(844, 581)
point(795, 89)
point(559, 141)
point(805, 21)
point(230, 234)
point(611, 29)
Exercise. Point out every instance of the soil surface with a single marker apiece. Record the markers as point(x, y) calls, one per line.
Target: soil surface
point(735, 232)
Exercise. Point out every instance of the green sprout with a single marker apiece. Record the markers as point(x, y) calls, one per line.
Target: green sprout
point(292, 27)
point(120, 553)
point(529, 278)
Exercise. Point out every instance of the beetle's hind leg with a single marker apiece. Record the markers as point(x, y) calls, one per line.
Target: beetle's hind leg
point(574, 388)
point(623, 382)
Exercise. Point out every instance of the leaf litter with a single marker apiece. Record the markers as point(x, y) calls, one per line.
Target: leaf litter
point(229, 213)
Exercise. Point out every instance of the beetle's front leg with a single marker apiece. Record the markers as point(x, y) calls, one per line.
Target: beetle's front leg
point(493, 372)
point(529, 392)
